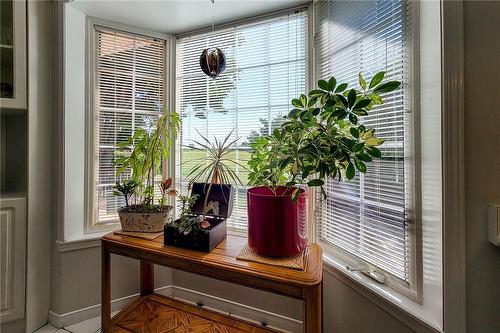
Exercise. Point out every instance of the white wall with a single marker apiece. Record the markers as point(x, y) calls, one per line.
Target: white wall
point(482, 161)
point(39, 163)
point(76, 279)
point(74, 123)
point(347, 311)
point(262, 300)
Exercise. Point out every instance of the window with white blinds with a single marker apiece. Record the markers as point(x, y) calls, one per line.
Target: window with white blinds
point(266, 68)
point(129, 92)
point(371, 218)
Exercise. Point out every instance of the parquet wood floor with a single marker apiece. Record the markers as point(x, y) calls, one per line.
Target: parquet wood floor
point(160, 314)
point(222, 264)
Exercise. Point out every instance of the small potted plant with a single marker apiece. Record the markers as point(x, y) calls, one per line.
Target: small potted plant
point(320, 138)
point(140, 158)
point(202, 223)
point(198, 228)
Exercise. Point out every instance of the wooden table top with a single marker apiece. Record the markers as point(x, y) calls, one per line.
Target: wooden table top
point(221, 260)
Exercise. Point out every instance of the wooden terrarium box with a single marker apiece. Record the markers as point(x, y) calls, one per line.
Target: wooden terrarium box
point(221, 197)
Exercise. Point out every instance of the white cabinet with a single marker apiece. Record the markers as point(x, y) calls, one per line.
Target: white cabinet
point(12, 257)
point(13, 54)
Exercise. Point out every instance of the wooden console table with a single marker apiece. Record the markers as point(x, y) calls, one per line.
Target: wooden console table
point(219, 264)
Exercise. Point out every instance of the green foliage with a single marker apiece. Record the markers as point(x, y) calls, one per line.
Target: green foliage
point(143, 154)
point(186, 221)
point(186, 203)
point(321, 137)
point(216, 166)
point(148, 197)
point(265, 163)
point(127, 188)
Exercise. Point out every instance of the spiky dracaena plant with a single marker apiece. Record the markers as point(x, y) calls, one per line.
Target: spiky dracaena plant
point(217, 166)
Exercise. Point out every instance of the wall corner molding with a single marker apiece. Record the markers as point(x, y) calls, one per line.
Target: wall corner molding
point(210, 302)
point(453, 166)
point(69, 318)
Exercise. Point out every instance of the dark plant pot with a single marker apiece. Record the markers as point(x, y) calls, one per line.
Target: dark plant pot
point(276, 226)
point(198, 239)
point(204, 239)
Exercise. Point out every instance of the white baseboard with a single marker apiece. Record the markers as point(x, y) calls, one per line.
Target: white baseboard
point(73, 317)
point(210, 302)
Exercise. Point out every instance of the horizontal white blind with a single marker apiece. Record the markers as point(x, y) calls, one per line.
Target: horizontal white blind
point(266, 68)
point(369, 216)
point(130, 92)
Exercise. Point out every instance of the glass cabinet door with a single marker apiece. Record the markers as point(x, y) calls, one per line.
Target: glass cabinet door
point(7, 49)
point(12, 54)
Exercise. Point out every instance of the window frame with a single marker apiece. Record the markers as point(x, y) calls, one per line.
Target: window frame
point(414, 288)
point(90, 200)
point(453, 225)
point(254, 20)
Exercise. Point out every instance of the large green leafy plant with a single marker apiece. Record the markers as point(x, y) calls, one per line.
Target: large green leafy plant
point(321, 137)
point(141, 156)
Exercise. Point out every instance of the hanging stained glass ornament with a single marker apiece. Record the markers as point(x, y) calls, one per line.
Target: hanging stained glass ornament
point(212, 60)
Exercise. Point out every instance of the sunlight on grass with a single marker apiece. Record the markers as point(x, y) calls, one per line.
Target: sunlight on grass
point(192, 157)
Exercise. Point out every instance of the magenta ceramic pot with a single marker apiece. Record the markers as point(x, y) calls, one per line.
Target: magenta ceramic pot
point(276, 226)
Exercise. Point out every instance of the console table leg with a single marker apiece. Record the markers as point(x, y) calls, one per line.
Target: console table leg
point(105, 290)
point(147, 278)
point(314, 309)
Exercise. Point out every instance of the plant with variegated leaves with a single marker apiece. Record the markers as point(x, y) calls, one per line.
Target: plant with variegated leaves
point(321, 137)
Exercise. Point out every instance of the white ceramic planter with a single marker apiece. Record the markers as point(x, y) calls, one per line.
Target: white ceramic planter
point(143, 222)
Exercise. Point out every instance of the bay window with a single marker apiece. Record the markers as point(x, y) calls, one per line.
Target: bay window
point(129, 81)
point(266, 68)
point(371, 221)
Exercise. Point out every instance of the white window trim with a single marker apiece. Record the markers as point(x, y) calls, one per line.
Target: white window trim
point(454, 231)
point(90, 107)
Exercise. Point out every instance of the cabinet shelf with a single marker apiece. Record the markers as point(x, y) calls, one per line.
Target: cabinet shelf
point(5, 46)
